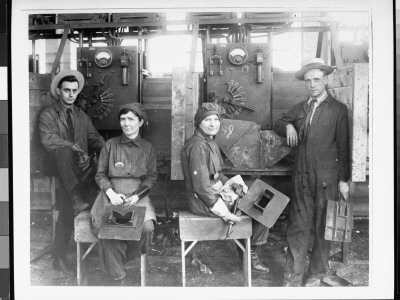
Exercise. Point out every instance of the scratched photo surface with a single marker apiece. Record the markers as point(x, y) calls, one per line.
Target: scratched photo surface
point(171, 59)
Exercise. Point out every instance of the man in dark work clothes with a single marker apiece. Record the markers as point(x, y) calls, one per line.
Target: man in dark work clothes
point(66, 132)
point(318, 127)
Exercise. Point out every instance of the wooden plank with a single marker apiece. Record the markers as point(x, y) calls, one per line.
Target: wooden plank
point(40, 98)
point(192, 100)
point(39, 81)
point(60, 51)
point(157, 102)
point(360, 122)
point(83, 233)
point(336, 43)
point(341, 78)
point(178, 121)
point(193, 227)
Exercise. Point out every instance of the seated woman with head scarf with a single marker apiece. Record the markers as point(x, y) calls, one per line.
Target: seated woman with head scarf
point(126, 163)
point(202, 165)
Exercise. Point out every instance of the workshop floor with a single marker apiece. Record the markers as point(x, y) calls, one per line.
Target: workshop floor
point(164, 263)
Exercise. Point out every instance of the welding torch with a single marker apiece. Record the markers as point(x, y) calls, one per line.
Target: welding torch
point(238, 189)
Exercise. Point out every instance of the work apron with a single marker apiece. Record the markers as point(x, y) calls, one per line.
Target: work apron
point(126, 186)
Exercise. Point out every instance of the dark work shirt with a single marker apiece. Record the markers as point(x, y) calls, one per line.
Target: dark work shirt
point(201, 161)
point(122, 157)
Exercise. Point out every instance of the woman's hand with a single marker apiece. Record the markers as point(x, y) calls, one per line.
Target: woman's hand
point(115, 199)
point(133, 200)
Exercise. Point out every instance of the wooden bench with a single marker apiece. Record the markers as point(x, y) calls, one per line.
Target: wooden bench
point(83, 234)
point(193, 228)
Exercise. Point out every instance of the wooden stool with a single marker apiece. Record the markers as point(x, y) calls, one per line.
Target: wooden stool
point(83, 234)
point(193, 228)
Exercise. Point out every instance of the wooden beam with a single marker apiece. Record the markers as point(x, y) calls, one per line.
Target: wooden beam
point(60, 50)
point(195, 36)
point(360, 122)
point(178, 121)
point(183, 22)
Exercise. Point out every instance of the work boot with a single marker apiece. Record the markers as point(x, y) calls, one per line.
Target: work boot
point(256, 263)
point(62, 266)
point(78, 204)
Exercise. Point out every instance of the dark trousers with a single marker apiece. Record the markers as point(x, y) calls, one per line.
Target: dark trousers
point(61, 163)
point(114, 254)
point(307, 213)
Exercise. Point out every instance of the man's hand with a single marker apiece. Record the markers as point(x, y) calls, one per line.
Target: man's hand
point(291, 135)
point(115, 199)
point(76, 148)
point(83, 160)
point(344, 190)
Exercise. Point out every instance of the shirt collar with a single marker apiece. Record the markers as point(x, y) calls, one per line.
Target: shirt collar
point(320, 98)
point(125, 140)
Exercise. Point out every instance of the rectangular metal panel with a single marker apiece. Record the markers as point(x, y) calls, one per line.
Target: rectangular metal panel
point(107, 79)
point(272, 210)
point(252, 75)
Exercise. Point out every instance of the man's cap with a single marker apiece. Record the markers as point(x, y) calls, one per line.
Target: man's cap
point(64, 73)
point(310, 64)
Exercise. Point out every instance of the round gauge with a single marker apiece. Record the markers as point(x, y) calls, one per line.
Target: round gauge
point(238, 55)
point(103, 58)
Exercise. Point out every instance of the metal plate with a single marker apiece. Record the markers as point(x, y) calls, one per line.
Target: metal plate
point(271, 212)
point(274, 148)
point(245, 153)
point(114, 232)
point(339, 216)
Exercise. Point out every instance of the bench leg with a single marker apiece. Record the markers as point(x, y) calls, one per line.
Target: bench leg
point(345, 250)
point(247, 263)
point(143, 270)
point(78, 264)
point(183, 264)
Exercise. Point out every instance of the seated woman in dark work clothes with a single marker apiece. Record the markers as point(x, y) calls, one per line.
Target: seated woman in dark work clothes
point(126, 163)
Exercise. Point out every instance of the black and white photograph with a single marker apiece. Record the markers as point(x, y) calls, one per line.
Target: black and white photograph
point(220, 150)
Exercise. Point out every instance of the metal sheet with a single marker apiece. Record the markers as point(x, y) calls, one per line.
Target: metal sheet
point(245, 153)
point(108, 231)
point(273, 148)
point(272, 210)
point(231, 131)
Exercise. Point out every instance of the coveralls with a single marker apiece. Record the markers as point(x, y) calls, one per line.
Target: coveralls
point(202, 165)
point(59, 160)
point(124, 165)
point(321, 161)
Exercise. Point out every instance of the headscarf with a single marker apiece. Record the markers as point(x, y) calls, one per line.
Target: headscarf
point(208, 109)
point(137, 108)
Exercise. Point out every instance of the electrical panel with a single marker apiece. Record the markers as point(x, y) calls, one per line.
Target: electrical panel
point(239, 77)
point(111, 80)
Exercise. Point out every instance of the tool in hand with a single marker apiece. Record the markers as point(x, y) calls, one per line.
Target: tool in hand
point(238, 189)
